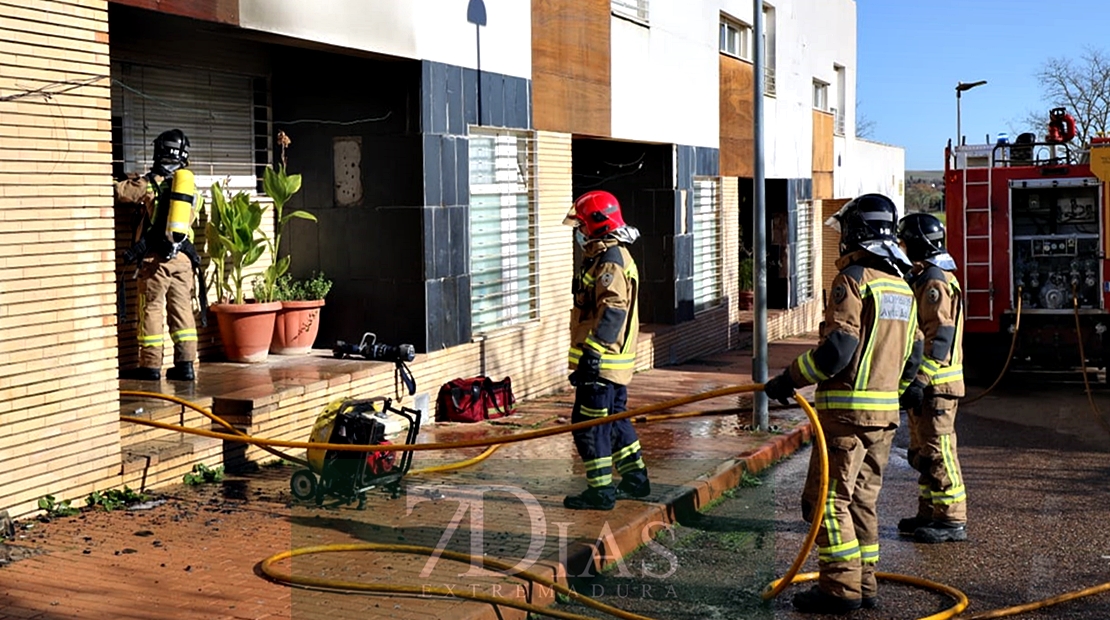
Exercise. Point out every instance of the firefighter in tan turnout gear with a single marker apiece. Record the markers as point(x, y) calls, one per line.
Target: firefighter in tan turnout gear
point(167, 259)
point(604, 327)
point(868, 345)
point(942, 504)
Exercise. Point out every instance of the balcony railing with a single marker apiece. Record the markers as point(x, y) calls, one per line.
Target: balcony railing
point(838, 122)
point(768, 80)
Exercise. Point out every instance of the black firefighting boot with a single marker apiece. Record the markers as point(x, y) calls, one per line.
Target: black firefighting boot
point(909, 525)
point(632, 488)
point(142, 374)
point(941, 531)
point(593, 498)
point(817, 601)
point(181, 371)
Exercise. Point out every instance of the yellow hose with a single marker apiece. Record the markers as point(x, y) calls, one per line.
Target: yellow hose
point(1009, 356)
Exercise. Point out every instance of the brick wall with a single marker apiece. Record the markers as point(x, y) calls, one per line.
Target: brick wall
point(59, 404)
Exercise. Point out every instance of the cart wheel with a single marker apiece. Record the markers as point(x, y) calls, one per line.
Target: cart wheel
point(303, 484)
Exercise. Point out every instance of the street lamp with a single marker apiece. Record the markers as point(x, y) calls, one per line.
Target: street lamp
point(960, 88)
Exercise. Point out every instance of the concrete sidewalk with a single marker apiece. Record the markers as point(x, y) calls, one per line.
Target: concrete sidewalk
point(197, 555)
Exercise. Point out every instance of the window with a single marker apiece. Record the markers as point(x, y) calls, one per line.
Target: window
point(804, 253)
point(841, 96)
point(820, 96)
point(635, 10)
point(225, 116)
point(503, 263)
point(736, 38)
point(768, 51)
point(707, 241)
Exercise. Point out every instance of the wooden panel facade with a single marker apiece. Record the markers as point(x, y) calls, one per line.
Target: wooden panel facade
point(571, 86)
point(830, 241)
point(823, 155)
point(58, 391)
point(737, 129)
point(223, 11)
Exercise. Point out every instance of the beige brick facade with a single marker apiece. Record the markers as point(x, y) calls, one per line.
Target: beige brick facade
point(59, 404)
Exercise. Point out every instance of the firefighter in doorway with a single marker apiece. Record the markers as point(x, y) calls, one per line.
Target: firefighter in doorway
point(166, 257)
point(868, 345)
point(604, 328)
point(942, 505)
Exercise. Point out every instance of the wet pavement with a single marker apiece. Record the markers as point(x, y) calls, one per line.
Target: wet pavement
point(198, 555)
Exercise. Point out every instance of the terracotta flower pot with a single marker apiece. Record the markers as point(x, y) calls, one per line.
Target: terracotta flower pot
point(746, 300)
point(246, 330)
point(296, 327)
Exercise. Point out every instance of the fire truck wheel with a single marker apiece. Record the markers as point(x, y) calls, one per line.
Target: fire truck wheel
point(303, 484)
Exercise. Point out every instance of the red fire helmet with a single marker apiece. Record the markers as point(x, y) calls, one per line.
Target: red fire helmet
point(597, 212)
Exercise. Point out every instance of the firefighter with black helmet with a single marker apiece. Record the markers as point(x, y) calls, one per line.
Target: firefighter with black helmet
point(869, 344)
point(604, 328)
point(942, 502)
point(167, 260)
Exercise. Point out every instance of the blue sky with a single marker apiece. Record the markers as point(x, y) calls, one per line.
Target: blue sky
point(911, 54)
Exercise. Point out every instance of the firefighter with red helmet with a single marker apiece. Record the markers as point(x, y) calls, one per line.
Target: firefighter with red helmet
point(167, 260)
point(604, 328)
point(868, 345)
point(942, 504)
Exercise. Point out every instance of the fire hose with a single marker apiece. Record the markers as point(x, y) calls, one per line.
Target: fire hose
point(772, 590)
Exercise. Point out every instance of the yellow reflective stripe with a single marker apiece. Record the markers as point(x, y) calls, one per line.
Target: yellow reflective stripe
point(954, 495)
point(950, 468)
point(588, 279)
point(903, 384)
point(929, 368)
point(627, 451)
point(184, 335)
point(832, 526)
point(592, 413)
point(809, 368)
point(150, 341)
point(839, 553)
point(862, 400)
point(595, 345)
point(949, 374)
point(869, 554)
point(624, 468)
point(598, 467)
point(923, 489)
point(618, 361)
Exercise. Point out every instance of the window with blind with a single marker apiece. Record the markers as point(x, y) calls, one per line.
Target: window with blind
point(503, 257)
point(707, 241)
point(636, 10)
point(804, 253)
point(225, 116)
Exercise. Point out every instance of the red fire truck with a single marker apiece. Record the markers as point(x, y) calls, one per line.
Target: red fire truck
point(1027, 224)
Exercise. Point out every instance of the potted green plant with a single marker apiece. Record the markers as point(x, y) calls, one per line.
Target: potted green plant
point(747, 295)
point(298, 321)
point(234, 241)
point(280, 187)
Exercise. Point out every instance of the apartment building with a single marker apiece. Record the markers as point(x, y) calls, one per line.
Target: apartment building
point(441, 143)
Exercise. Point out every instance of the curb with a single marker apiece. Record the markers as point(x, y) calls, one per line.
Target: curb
point(586, 559)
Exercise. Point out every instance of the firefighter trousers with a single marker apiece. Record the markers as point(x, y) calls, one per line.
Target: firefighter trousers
point(932, 453)
point(166, 296)
point(606, 446)
point(848, 539)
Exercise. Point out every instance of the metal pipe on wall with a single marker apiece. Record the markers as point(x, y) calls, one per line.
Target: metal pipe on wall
point(759, 228)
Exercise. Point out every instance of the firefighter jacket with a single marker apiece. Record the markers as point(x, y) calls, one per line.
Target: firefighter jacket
point(605, 316)
point(940, 314)
point(150, 236)
point(869, 344)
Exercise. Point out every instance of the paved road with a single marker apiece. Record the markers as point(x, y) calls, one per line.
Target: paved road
point(1037, 466)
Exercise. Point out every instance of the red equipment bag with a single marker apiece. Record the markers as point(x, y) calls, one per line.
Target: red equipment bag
point(475, 399)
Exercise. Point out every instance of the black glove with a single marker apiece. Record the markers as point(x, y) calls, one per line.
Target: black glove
point(589, 368)
point(780, 388)
point(912, 396)
point(134, 252)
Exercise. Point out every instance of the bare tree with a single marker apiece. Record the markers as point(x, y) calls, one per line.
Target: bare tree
point(1082, 86)
point(865, 126)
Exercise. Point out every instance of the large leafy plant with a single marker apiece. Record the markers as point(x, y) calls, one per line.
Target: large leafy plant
point(280, 187)
point(234, 240)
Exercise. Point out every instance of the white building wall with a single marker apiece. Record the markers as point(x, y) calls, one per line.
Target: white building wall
point(419, 29)
point(809, 37)
point(665, 76)
point(875, 167)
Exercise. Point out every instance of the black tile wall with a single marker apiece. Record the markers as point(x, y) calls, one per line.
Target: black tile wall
point(433, 176)
point(449, 172)
point(456, 101)
point(683, 256)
